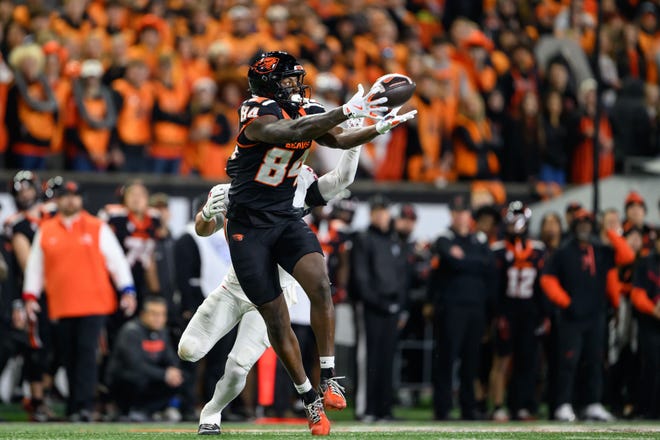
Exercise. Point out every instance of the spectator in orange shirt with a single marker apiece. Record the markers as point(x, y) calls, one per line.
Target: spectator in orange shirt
point(582, 162)
point(72, 22)
point(134, 100)
point(278, 36)
point(55, 57)
point(96, 117)
point(474, 157)
point(170, 119)
point(32, 109)
point(243, 35)
point(210, 131)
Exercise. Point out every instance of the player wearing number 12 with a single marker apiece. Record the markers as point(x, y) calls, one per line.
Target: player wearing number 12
point(519, 315)
point(277, 127)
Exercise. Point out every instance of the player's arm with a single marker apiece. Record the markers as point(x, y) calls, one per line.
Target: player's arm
point(21, 246)
point(268, 128)
point(210, 219)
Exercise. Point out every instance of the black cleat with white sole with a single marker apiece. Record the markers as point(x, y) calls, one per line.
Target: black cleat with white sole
point(208, 429)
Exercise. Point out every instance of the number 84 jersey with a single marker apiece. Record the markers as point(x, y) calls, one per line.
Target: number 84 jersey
point(519, 264)
point(264, 175)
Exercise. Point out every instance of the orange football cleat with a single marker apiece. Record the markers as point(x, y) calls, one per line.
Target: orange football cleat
point(333, 394)
point(316, 419)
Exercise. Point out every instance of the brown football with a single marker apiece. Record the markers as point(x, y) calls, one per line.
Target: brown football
point(397, 88)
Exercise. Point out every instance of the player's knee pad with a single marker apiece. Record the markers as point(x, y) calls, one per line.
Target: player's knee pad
point(190, 349)
point(235, 372)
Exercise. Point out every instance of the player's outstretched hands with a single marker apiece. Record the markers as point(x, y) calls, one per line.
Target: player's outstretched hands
point(362, 106)
point(392, 119)
point(215, 203)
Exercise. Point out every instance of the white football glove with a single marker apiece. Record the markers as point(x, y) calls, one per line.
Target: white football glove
point(392, 119)
point(215, 203)
point(355, 123)
point(362, 106)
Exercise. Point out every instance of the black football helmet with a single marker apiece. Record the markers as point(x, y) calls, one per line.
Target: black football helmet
point(25, 179)
point(517, 218)
point(269, 69)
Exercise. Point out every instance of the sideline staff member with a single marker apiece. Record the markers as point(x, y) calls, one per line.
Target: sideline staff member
point(73, 255)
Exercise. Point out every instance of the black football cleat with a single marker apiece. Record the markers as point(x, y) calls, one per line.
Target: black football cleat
point(208, 429)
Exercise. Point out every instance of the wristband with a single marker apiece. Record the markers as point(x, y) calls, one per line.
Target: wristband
point(29, 297)
point(128, 290)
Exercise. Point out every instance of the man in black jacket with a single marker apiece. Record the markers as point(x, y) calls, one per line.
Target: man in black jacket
point(380, 281)
point(460, 289)
point(575, 279)
point(143, 373)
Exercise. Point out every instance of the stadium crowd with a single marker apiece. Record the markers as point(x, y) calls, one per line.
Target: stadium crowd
point(505, 90)
point(496, 298)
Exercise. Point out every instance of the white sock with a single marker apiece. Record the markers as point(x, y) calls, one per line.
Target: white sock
point(327, 361)
point(304, 387)
point(227, 389)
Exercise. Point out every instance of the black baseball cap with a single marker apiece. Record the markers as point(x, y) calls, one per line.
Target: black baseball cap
point(68, 187)
point(460, 203)
point(408, 211)
point(573, 206)
point(379, 201)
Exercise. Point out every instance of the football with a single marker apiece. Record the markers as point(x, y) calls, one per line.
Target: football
point(397, 88)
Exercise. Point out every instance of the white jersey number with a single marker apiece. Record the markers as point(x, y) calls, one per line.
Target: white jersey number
point(521, 282)
point(273, 169)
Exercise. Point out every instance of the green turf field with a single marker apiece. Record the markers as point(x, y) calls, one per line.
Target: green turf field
point(340, 430)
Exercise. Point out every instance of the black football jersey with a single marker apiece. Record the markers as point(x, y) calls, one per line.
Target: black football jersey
point(21, 223)
point(264, 175)
point(519, 270)
point(137, 237)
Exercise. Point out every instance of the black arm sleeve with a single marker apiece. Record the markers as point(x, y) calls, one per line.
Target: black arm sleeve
point(313, 197)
